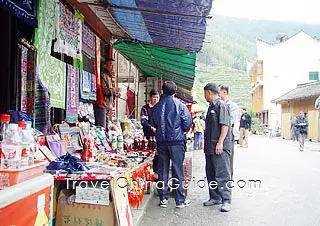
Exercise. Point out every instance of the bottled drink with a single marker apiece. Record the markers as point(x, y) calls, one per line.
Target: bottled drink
point(11, 148)
point(4, 120)
point(27, 143)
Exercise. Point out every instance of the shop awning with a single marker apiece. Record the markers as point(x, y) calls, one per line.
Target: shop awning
point(179, 24)
point(170, 64)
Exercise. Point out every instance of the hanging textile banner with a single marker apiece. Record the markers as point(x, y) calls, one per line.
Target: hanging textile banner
point(22, 9)
point(68, 33)
point(42, 107)
point(23, 79)
point(26, 87)
point(72, 98)
point(88, 87)
point(88, 41)
point(46, 25)
point(53, 74)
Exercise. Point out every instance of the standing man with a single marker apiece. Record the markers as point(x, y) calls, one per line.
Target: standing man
point(146, 114)
point(245, 125)
point(217, 149)
point(199, 126)
point(172, 120)
point(301, 126)
point(234, 116)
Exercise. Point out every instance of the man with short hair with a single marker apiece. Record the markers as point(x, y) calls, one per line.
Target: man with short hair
point(245, 125)
point(234, 115)
point(172, 120)
point(146, 114)
point(217, 149)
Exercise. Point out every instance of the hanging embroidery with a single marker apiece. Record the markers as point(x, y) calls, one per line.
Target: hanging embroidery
point(72, 99)
point(88, 42)
point(68, 33)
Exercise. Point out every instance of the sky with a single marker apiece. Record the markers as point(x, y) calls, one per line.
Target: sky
point(307, 11)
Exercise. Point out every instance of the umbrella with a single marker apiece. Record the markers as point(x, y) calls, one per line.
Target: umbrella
point(197, 108)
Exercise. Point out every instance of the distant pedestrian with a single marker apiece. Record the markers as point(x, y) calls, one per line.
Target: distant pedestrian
point(217, 149)
point(301, 126)
point(199, 126)
point(245, 125)
point(292, 129)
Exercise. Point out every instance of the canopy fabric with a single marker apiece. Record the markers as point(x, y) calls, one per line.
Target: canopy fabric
point(170, 64)
point(179, 24)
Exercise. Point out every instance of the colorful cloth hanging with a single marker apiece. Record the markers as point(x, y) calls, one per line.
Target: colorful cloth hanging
point(23, 79)
point(72, 98)
point(68, 33)
point(88, 41)
point(22, 9)
point(25, 91)
point(42, 107)
point(88, 87)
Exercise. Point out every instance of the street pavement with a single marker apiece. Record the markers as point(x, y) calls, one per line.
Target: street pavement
point(289, 193)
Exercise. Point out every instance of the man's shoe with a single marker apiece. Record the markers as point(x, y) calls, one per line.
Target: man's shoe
point(186, 203)
point(226, 207)
point(164, 203)
point(212, 202)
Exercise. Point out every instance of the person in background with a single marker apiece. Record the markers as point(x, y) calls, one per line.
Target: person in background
point(234, 115)
point(245, 125)
point(292, 128)
point(217, 149)
point(146, 114)
point(172, 120)
point(199, 126)
point(301, 126)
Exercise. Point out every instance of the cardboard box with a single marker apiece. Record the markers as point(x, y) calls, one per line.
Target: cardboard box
point(84, 214)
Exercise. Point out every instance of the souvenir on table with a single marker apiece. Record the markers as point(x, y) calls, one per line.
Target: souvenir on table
point(47, 153)
point(75, 138)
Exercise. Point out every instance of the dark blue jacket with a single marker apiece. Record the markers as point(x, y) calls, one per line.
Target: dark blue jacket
point(146, 115)
point(171, 118)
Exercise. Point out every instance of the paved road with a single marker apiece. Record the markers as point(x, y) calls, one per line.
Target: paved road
point(289, 192)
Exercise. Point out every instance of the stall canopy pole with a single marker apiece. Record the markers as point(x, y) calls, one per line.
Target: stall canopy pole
point(117, 79)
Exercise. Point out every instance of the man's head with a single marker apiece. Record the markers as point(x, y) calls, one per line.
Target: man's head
point(301, 114)
point(154, 97)
point(169, 88)
point(211, 92)
point(224, 92)
point(244, 110)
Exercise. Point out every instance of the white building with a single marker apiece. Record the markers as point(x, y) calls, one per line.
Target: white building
point(294, 60)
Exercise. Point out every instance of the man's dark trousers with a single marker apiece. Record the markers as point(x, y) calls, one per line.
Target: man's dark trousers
point(176, 154)
point(218, 173)
point(232, 154)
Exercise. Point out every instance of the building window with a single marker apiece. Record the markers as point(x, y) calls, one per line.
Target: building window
point(314, 76)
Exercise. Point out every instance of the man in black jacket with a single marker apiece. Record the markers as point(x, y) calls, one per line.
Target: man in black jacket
point(146, 114)
point(217, 149)
point(245, 125)
point(172, 120)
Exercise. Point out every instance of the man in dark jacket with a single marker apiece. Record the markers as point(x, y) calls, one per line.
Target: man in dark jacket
point(146, 114)
point(172, 120)
point(245, 125)
point(217, 149)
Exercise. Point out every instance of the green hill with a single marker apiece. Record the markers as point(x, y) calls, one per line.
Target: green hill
point(229, 43)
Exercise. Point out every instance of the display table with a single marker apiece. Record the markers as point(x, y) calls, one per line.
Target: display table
point(81, 206)
point(27, 203)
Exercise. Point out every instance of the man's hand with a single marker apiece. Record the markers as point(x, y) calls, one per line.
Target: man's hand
point(153, 129)
point(219, 148)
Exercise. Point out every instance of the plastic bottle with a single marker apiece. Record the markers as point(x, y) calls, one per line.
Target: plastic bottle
point(4, 120)
point(27, 143)
point(120, 143)
point(114, 142)
point(11, 148)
